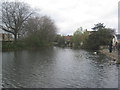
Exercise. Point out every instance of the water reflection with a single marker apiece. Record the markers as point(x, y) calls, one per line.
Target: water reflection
point(58, 68)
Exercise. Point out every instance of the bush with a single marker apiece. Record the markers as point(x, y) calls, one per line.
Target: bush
point(97, 39)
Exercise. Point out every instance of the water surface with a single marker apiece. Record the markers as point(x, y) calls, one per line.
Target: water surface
point(58, 68)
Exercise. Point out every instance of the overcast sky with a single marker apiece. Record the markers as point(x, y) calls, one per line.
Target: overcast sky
point(72, 14)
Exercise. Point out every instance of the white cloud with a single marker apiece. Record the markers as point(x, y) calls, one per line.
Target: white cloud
point(72, 14)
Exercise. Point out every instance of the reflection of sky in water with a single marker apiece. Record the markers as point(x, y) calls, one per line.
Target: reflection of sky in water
point(59, 68)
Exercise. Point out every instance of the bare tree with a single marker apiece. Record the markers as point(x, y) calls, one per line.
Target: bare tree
point(14, 15)
point(40, 30)
point(48, 28)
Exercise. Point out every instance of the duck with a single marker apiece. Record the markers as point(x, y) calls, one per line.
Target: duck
point(95, 53)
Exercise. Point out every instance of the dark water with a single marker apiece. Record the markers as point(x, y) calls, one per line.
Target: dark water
point(58, 68)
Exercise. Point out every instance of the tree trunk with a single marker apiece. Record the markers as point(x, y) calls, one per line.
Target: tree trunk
point(15, 38)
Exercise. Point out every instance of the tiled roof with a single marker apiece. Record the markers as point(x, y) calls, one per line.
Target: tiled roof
point(67, 37)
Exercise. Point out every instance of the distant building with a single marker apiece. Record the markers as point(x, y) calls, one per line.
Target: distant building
point(67, 38)
point(6, 37)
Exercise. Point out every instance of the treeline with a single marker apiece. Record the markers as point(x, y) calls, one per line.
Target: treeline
point(90, 40)
point(29, 28)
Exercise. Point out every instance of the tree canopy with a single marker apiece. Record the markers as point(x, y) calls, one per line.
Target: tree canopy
point(100, 37)
point(40, 31)
point(14, 15)
point(98, 26)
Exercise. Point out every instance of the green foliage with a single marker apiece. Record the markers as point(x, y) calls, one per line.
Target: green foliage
point(60, 41)
point(92, 42)
point(98, 38)
point(40, 32)
point(35, 40)
point(85, 36)
point(13, 45)
point(77, 38)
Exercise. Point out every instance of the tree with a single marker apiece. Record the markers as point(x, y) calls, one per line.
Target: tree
point(60, 41)
point(85, 36)
point(14, 15)
point(40, 31)
point(77, 37)
point(98, 26)
point(99, 38)
point(48, 28)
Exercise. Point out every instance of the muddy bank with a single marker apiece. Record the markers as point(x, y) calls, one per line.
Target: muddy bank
point(114, 55)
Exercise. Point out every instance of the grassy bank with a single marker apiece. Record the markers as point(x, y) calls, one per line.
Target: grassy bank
point(11, 46)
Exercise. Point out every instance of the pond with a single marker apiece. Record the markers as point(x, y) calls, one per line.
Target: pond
point(58, 68)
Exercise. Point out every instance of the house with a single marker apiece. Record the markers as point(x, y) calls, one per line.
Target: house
point(6, 37)
point(68, 40)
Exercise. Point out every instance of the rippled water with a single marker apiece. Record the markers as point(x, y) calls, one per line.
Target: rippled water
point(58, 68)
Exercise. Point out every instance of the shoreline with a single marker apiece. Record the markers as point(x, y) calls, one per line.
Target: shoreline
point(114, 55)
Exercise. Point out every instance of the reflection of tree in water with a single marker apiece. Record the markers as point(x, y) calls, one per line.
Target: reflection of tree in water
point(15, 55)
point(57, 68)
